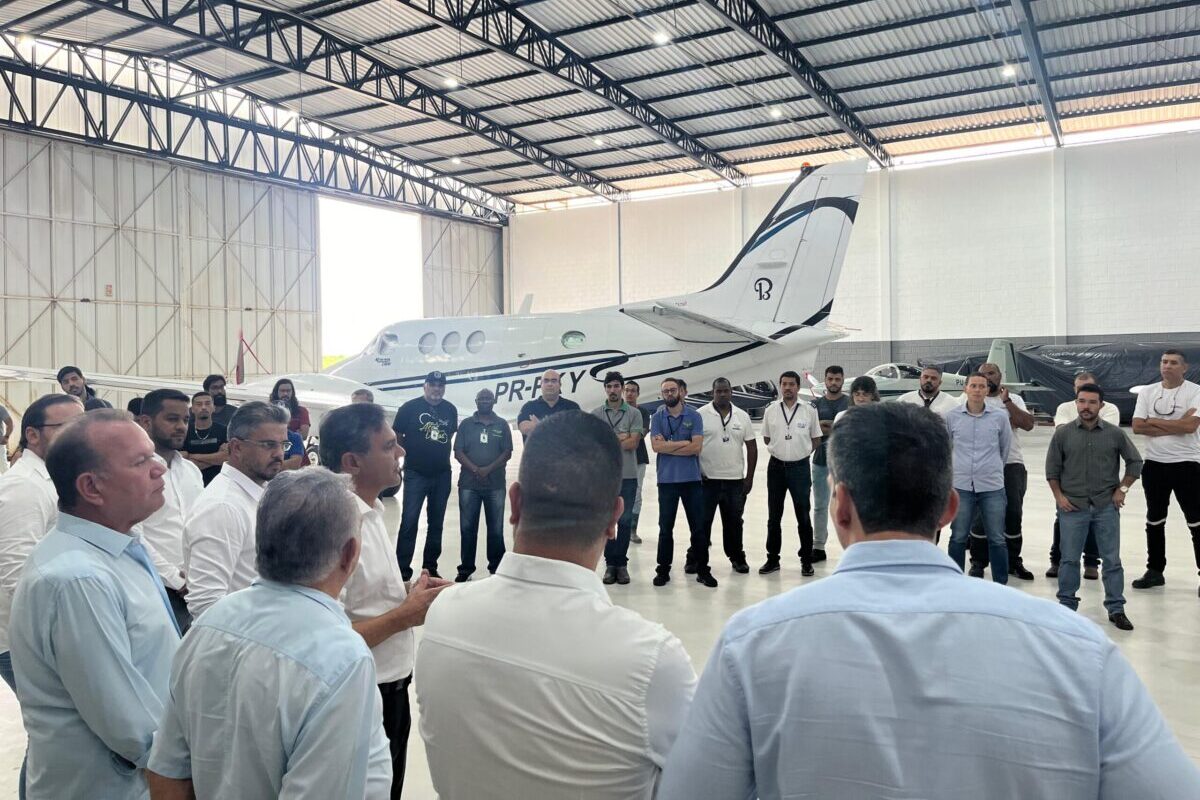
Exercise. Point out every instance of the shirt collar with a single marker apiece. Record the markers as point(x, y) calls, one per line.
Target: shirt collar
point(550, 572)
point(36, 463)
point(364, 509)
point(316, 595)
point(1099, 422)
point(243, 480)
point(106, 539)
point(894, 553)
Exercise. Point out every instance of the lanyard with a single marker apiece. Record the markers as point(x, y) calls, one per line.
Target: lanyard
point(673, 430)
point(787, 421)
point(608, 416)
point(724, 420)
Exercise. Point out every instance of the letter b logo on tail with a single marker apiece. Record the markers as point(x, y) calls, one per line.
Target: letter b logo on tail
point(763, 286)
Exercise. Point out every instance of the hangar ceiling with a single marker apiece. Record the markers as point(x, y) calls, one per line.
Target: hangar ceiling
point(467, 107)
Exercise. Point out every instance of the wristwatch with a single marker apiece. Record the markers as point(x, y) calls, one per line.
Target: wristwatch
point(1123, 489)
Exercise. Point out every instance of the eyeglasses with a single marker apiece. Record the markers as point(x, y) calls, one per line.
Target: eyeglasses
point(267, 444)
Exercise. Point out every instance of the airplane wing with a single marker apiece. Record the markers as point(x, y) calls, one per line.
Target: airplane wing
point(688, 326)
point(96, 379)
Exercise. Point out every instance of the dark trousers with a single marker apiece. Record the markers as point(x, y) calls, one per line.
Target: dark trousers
point(616, 551)
point(1015, 481)
point(784, 477)
point(670, 495)
point(730, 497)
point(1160, 481)
point(1091, 553)
point(397, 720)
point(418, 488)
point(179, 607)
point(470, 501)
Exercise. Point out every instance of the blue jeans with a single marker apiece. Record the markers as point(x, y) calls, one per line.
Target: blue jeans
point(991, 506)
point(469, 503)
point(417, 489)
point(6, 672)
point(616, 551)
point(1075, 526)
point(670, 496)
point(820, 512)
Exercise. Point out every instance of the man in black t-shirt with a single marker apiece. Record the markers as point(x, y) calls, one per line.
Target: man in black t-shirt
point(550, 402)
point(424, 427)
point(214, 385)
point(206, 442)
point(632, 391)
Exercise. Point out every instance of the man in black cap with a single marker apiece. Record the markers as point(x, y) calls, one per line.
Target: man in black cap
point(73, 383)
point(424, 427)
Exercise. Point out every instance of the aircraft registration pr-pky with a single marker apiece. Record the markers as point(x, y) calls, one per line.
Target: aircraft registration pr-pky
point(766, 313)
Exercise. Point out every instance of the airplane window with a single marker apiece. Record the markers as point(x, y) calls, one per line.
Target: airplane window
point(909, 371)
point(450, 342)
point(427, 343)
point(475, 341)
point(388, 343)
point(573, 339)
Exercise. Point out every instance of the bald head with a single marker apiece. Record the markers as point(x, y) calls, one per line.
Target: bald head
point(551, 385)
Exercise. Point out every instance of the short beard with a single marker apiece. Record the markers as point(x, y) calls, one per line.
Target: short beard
point(674, 401)
point(218, 400)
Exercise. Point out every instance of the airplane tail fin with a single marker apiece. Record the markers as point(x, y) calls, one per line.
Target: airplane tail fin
point(1004, 356)
point(788, 270)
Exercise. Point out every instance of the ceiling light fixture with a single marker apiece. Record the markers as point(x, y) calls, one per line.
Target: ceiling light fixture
point(456, 160)
point(1008, 71)
point(776, 113)
point(598, 141)
point(450, 82)
point(661, 37)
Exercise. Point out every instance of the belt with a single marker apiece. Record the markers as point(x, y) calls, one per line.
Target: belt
point(395, 687)
point(797, 461)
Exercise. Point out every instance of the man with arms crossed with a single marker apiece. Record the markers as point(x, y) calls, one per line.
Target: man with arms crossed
point(828, 406)
point(893, 702)
point(626, 423)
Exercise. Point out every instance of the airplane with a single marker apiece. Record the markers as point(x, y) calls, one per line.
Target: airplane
point(895, 379)
point(765, 314)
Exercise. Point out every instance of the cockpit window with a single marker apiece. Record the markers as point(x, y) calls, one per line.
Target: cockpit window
point(909, 371)
point(573, 339)
point(388, 343)
point(885, 371)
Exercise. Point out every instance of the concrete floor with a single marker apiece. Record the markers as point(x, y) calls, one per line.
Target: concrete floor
point(1164, 648)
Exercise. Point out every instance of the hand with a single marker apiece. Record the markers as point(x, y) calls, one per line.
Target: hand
point(483, 472)
point(533, 418)
point(747, 485)
point(1064, 504)
point(1119, 499)
point(421, 595)
point(1191, 412)
point(1003, 394)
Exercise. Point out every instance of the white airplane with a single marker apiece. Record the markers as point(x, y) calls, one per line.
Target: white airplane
point(765, 314)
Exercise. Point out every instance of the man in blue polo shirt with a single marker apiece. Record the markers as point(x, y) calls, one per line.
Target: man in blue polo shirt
point(677, 436)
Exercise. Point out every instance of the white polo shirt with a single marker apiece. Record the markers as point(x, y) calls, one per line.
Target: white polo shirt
point(791, 432)
point(1067, 412)
point(1014, 453)
point(28, 510)
point(532, 684)
point(163, 530)
point(1157, 402)
point(375, 588)
point(724, 454)
point(941, 402)
point(219, 547)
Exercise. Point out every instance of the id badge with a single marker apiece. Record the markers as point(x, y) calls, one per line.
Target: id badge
point(788, 437)
point(724, 438)
point(483, 437)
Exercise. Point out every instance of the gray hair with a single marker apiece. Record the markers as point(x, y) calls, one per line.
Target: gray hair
point(255, 413)
point(73, 453)
point(304, 520)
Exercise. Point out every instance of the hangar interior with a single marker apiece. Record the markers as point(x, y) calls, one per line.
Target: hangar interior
point(1034, 167)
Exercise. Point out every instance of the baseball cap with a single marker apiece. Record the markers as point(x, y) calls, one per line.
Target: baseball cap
point(436, 377)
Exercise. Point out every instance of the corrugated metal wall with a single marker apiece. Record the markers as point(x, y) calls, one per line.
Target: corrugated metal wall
point(462, 268)
point(126, 265)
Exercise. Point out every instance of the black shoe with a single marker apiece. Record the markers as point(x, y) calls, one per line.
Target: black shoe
point(1091, 573)
point(818, 556)
point(462, 577)
point(661, 578)
point(610, 576)
point(1053, 571)
point(707, 579)
point(1121, 621)
point(622, 575)
point(807, 570)
point(740, 567)
point(689, 568)
point(1149, 580)
point(1019, 571)
point(975, 571)
point(433, 573)
point(771, 565)
point(634, 538)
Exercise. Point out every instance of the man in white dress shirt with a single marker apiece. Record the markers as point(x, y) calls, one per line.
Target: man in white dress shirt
point(930, 395)
point(532, 684)
point(356, 440)
point(791, 430)
point(164, 416)
point(218, 542)
point(28, 510)
point(272, 693)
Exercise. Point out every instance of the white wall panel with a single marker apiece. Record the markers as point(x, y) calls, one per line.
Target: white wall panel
point(461, 268)
point(566, 259)
point(127, 265)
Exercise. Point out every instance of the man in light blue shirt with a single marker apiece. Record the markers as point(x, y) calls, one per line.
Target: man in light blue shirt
point(92, 629)
point(273, 693)
point(981, 437)
point(926, 684)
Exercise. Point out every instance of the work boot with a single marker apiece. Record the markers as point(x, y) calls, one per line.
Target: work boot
point(1149, 580)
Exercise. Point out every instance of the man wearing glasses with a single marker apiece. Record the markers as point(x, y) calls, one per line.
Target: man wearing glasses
point(1167, 413)
point(219, 541)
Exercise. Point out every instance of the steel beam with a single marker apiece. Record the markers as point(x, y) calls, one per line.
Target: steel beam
point(1037, 64)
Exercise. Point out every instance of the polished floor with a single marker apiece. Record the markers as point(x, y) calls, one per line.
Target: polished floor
point(1164, 648)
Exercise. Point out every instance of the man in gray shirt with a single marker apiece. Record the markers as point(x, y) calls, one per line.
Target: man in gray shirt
point(483, 447)
point(1083, 468)
point(626, 423)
